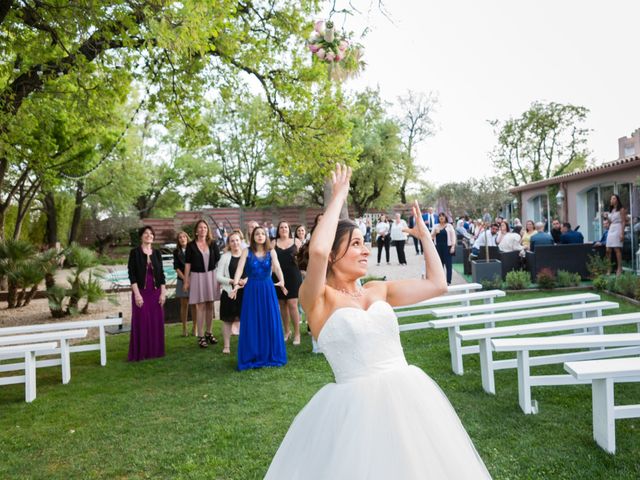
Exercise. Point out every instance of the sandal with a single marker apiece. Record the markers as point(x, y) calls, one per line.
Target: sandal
point(226, 351)
point(210, 339)
point(202, 341)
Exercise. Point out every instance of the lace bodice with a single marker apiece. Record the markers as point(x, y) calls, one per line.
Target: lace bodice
point(358, 343)
point(258, 268)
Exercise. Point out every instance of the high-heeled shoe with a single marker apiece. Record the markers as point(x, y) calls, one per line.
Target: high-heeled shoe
point(287, 336)
point(296, 340)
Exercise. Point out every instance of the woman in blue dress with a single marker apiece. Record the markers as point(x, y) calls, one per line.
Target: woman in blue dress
point(261, 342)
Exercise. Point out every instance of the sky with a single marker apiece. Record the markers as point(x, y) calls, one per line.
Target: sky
point(490, 59)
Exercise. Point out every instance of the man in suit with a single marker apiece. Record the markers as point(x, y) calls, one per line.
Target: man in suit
point(430, 218)
point(570, 236)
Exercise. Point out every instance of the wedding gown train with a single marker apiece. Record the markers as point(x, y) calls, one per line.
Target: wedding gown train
point(382, 419)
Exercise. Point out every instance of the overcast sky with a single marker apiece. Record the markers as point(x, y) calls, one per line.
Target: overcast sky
point(489, 59)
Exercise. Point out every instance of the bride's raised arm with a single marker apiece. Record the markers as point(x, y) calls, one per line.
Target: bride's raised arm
point(312, 289)
point(410, 291)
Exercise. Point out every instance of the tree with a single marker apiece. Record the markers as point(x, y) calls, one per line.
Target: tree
point(375, 181)
point(182, 49)
point(545, 141)
point(472, 196)
point(416, 125)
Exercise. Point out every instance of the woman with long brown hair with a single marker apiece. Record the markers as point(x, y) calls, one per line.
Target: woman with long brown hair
point(286, 249)
point(201, 258)
point(382, 418)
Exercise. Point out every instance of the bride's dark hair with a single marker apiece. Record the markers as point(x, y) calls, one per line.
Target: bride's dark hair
point(344, 229)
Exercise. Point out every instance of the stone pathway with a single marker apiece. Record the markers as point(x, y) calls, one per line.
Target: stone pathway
point(397, 272)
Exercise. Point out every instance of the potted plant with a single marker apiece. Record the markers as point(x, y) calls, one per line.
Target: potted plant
point(487, 268)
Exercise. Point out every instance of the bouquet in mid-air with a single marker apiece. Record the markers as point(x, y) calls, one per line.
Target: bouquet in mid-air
point(326, 44)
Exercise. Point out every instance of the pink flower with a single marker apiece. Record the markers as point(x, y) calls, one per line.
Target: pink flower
point(319, 27)
point(330, 56)
point(339, 56)
point(320, 53)
point(343, 45)
point(314, 47)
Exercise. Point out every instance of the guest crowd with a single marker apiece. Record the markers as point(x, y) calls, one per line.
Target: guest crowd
point(256, 278)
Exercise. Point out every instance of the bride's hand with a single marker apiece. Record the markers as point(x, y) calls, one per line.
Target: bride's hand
point(419, 230)
point(340, 182)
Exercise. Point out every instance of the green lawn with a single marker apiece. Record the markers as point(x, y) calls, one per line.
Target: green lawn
point(190, 415)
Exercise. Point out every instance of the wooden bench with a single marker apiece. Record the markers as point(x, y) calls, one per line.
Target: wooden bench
point(487, 296)
point(453, 325)
point(100, 324)
point(603, 374)
point(61, 337)
point(594, 325)
point(514, 305)
point(28, 351)
point(524, 346)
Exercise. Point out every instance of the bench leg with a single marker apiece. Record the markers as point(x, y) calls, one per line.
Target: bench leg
point(103, 346)
point(65, 360)
point(455, 348)
point(527, 405)
point(486, 366)
point(29, 377)
point(604, 422)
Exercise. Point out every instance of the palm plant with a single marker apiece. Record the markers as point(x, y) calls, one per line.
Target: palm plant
point(83, 260)
point(13, 255)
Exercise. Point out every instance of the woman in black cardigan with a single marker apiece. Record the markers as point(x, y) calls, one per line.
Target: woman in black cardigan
point(148, 293)
point(201, 259)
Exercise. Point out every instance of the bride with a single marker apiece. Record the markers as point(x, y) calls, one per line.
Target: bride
point(383, 418)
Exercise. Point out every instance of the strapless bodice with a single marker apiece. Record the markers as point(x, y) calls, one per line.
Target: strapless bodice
point(358, 343)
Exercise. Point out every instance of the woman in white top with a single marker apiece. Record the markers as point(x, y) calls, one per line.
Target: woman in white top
point(511, 241)
point(615, 237)
point(230, 308)
point(382, 237)
point(399, 238)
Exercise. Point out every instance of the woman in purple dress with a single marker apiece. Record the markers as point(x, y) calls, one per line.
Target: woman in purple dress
point(148, 293)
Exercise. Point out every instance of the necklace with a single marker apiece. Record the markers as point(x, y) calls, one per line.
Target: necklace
point(357, 294)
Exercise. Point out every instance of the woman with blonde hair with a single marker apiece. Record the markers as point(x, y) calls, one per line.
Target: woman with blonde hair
point(230, 308)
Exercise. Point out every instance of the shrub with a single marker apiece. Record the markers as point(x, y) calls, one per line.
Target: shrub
point(517, 280)
point(546, 279)
point(568, 279)
point(602, 282)
point(371, 278)
point(492, 284)
point(597, 265)
point(626, 284)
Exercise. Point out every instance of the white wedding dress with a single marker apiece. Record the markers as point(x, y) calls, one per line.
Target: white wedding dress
point(382, 419)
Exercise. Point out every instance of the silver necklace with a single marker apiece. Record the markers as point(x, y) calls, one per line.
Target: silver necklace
point(357, 294)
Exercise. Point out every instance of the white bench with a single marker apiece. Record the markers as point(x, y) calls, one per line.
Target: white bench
point(29, 352)
point(487, 296)
point(577, 310)
point(514, 305)
point(603, 374)
point(61, 336)
point(100, 324)
point(594, 325)
point(524, 346)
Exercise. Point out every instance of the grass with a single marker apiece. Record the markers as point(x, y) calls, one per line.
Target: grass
point(191, 415)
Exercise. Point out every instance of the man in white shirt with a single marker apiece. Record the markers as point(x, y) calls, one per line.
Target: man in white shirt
point(485, 238)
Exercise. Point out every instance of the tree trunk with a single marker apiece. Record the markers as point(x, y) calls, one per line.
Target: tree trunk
point(51, 233)
point(30, 296)
point(77, 213)
point(403, 191)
